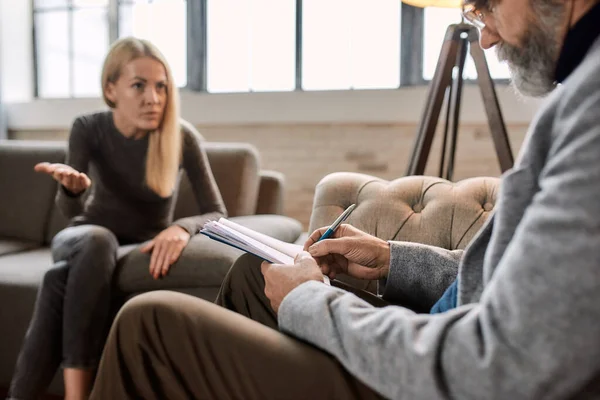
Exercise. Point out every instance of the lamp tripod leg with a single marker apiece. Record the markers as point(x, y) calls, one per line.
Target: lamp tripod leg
point(459, 38)
point(435, 99)
point(454, 105)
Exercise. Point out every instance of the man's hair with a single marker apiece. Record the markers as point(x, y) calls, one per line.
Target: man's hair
point(481, 5)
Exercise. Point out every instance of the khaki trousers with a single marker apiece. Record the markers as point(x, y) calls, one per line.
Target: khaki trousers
point(166, 345)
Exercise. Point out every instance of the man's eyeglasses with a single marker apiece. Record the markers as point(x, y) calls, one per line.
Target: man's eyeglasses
point(474, 16)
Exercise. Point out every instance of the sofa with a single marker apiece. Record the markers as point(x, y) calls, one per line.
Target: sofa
point(29, 219)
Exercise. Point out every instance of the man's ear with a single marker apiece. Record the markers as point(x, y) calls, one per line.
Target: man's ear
point(111, 92)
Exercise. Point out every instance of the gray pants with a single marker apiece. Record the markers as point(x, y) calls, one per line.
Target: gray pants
point(72, 311)
point(166, 345)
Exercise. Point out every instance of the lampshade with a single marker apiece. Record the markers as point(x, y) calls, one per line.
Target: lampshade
point(435, 3)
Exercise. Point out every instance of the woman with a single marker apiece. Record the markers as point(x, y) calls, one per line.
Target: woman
point(136, 150)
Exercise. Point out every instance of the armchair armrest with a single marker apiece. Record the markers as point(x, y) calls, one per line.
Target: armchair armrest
point(270, 193)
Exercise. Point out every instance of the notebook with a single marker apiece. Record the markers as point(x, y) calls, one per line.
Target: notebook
point(261, 245)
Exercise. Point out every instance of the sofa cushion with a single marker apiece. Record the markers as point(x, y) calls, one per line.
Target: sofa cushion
point(26, 195)
point(9, 246)
point(204, 262)
point(26, 268)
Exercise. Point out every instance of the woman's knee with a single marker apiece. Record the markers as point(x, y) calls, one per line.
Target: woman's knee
point(100, 238)
point(84, 238)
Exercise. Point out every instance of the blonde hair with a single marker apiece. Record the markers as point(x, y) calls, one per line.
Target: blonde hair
point(164, 145)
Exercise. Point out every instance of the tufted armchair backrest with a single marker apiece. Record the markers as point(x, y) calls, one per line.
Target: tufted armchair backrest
point(419, 209)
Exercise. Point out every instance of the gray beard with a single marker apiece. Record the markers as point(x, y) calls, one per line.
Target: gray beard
point(533, 65)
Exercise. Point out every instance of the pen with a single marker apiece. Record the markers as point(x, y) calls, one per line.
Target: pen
point(338, 222)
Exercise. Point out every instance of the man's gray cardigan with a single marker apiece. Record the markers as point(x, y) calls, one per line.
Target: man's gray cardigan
point(528, 321)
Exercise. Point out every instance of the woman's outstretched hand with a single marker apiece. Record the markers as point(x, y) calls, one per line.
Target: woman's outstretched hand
point(74, 181)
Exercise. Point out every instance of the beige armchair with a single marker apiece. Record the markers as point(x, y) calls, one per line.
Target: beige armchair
point(419, 209)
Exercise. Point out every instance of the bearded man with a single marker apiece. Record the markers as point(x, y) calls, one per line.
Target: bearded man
point(515, 316)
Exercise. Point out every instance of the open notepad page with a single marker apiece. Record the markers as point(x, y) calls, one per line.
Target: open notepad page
point(289, 249)
point(229, 235)
point(259, 244)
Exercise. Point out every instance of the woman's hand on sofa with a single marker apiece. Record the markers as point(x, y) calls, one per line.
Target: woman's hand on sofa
point(74, 181)
point(166, 248)
point(350, 251)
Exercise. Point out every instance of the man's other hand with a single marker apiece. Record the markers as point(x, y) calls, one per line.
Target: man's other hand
point(281, 279)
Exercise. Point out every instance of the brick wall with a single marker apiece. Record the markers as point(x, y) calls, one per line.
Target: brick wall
point(306, 153)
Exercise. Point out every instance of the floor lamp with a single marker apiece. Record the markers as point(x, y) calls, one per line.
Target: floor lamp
point(458, 40)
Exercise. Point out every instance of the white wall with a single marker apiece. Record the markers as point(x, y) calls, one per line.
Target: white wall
point(364, 106)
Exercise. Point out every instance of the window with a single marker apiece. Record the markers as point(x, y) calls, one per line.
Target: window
point(350, 44)
point(247, 45)
point(436, 23)
point(164, 23)
point(71, 38)
point(251, 45)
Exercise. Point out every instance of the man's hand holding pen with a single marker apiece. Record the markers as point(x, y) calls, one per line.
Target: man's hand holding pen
point(350, 251)
point(336, 249)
